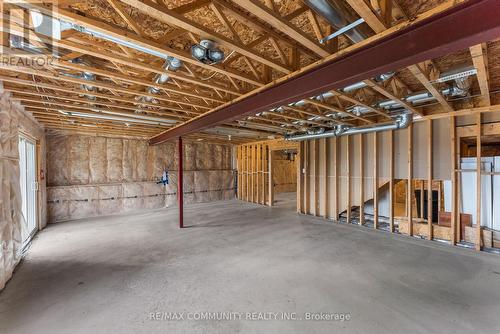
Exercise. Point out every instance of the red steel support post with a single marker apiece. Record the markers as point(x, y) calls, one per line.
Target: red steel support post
point(180, 191)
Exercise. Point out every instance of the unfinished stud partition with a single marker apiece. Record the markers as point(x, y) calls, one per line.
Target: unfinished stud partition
point(261, 173)
point(480, 235)
point(393, 180)
point(405, 181)
point(253, 173)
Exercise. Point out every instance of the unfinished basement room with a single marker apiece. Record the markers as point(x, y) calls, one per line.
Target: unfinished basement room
point(250, 166)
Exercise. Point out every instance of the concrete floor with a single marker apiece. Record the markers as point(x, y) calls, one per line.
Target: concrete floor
point(106, 275)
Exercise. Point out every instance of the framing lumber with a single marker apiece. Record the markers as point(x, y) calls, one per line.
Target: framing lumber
point(19, 95)
point(300, 178)
point(455, 220)
point(264, 173)
point(247, 183)
point(149, 83)
point(386, 12)
point(109, 87)
point(390, 50)
point(271, 182)
point(239, 168)
point(364, 10)
point(125, 16)
point(326, 181)
point(384, 91)
point(336, 179)
point(480, 61)
point(375, 180)
point(478, 235)
point(377, 24)
point(253, 149)
point(74, 90)
point(258, 148)
point(316, 176)
point(361, 181)
point(328, 106)
point(359, 103)
point(257, 8)
point(391, 181)
point(348, 190)
point(167, 16)
point(307, 186)
point(429, 181)
point(259, 27)
point(409, 185)
point(419, 73)
point(136, 39)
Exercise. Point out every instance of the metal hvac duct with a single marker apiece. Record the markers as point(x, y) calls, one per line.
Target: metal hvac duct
point(325, 9)
point(172, 64)
point(88, 76)
point(402, 121)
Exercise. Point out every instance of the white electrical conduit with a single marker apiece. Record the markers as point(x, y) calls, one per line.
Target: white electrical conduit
point(120, 117)
point(137, 116)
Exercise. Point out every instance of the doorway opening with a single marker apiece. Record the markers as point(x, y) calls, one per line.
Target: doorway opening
point(284, 178)
point(29, 188)
point(472, 208)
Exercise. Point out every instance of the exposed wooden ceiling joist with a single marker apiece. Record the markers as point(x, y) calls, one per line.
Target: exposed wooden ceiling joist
point(419, 73)
point(125, 75)
point(139, 40)
point(480, 61)
point(165, 15)
point(257, 8)
point(387, 51)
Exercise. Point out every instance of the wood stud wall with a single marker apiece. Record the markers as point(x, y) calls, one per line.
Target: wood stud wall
point(324, 191)
point(375, 180)
point(409, 184)
point(330, 203)
point(454, 200)
point(478, 182)
point(253, 166)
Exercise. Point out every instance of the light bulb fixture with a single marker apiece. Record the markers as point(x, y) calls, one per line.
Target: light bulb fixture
point(216, 55)
point(207, 52)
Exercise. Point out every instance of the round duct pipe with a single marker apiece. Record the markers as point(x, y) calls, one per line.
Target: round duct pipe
point(402, 121)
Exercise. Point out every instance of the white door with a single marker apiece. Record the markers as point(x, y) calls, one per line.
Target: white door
point(29, 187)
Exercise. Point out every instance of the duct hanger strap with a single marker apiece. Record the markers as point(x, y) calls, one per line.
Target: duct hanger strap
point(342, 30)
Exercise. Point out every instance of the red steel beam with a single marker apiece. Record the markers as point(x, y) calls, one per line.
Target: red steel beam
point(180, 188)
point(464, 25)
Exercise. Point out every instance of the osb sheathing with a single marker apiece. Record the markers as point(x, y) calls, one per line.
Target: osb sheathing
point(14, 119)
point(93, 176)
point(284, 173)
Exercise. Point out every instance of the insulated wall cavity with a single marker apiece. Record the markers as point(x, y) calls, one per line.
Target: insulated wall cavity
point(94, 176)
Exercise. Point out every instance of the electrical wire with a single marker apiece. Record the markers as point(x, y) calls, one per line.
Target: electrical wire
point(213, 74)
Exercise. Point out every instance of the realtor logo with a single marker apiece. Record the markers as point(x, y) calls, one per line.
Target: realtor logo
point(29, 31)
